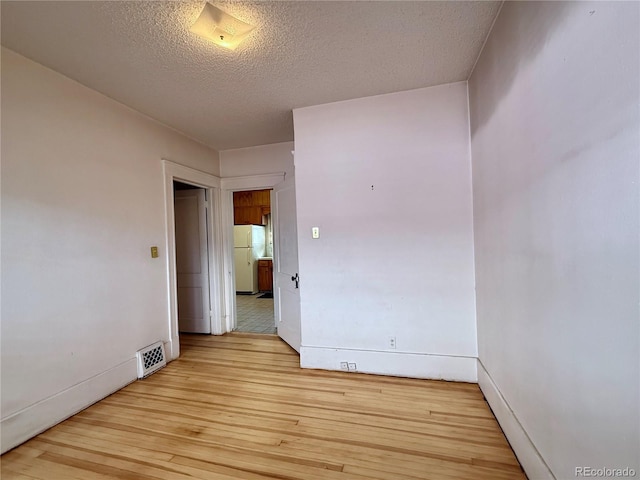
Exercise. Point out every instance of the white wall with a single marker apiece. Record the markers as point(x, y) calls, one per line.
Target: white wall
point(387, 179)
point(259, 160)
point(554, 119)
point(82, 202)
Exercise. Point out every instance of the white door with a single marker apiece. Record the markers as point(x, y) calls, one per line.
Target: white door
point(192, 261)
point(286, 291)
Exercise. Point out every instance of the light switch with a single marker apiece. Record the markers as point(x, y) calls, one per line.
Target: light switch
point(154, 252)
point(315, 232)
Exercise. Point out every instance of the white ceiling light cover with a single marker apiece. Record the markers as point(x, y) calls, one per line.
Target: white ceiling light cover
point(220, 27)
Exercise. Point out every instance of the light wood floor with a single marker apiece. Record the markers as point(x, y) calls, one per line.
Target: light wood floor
point(238, 407)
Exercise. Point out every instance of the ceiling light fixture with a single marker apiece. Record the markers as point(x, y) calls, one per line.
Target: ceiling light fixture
point(220, 27)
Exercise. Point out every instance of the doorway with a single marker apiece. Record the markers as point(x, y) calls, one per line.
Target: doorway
point(253, 261)
point(192, 258)
point(210, 184)
point(229, 186)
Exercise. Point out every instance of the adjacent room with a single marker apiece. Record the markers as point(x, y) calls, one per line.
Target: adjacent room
point(253, 261)
point(320, 240)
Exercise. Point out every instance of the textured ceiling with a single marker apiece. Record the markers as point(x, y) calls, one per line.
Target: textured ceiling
point(301, 53)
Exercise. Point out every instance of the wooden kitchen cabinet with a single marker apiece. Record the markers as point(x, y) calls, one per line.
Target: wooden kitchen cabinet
point(250, 208)
point(261, 198)
point(242, 199)
point(265, 275)
point(248, 216)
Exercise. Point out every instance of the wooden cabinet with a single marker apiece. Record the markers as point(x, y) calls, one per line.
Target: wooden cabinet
point(249, 208)
point(248, 216)
point(261, 198)
point(265, 275)
point(242, 199)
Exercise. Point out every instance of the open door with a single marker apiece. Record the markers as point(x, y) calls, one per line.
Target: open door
point(192, 261)
point(286, 282)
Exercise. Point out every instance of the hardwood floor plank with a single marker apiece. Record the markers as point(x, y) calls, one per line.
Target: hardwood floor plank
point(239, 407)
point(403, 465)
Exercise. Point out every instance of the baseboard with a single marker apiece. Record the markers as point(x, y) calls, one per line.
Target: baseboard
point(34, 419)
point(172, 348)
point(528, 456)
point(398, 364)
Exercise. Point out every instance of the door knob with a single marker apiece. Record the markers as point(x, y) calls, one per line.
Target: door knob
point(296, 278)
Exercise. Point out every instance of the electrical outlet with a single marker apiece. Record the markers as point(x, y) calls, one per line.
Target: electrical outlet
point(392, 342)
point(344, 366)
point(352, 367)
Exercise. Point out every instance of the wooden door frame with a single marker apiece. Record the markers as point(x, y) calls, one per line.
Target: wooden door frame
point(175, 172)
point(228, 186)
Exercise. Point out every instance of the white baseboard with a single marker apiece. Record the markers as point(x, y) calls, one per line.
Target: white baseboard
point(528, 456)
point(172, 348)
point(34, 419)
point(398, 364)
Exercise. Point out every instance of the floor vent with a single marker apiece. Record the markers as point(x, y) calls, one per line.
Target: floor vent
point(150, 359)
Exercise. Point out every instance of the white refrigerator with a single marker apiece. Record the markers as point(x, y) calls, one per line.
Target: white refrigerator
point(248, 247)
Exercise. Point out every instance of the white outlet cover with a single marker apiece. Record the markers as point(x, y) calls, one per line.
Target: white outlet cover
point(352, 367)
